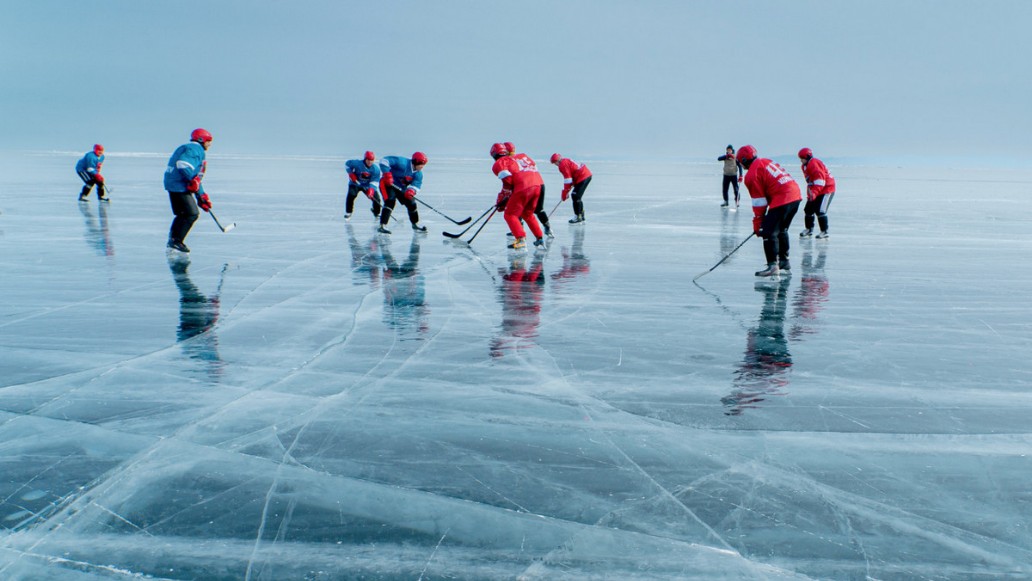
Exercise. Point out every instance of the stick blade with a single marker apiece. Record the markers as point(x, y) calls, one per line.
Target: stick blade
point(230, 227)
point(466, 221)
point(450, 235)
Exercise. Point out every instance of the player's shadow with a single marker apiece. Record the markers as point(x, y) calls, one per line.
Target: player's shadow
point(198, 314)
point(520, 294)
point(97, 235)
point(764, 370)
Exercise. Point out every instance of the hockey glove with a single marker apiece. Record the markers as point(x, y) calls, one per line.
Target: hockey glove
point(757, 221)
point(566, 193)
point(501, 202)
point(371, 194)
point(98, 178)
point(204, 202)
point(194, 185)
point(410, 193)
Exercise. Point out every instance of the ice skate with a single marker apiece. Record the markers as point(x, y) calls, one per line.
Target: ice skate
point(771, 270)
point(823, 235)
point(548, 232)
point(518, 244)
point(578, 219)
point(347, 217)
point(383, 230)
point(418, 229)
point(784, 267)
point(539, 243)
point(178, 246)
point(806, 233)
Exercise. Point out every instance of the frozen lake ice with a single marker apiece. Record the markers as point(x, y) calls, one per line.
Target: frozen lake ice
point(306, 399)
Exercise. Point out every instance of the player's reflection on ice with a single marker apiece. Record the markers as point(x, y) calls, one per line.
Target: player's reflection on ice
point(764, 369)
point(811, 295)
point(520, 293)
point(404, 292)
point(575, 262)
point(97, 235)
point(198, 314)
point(366, 262)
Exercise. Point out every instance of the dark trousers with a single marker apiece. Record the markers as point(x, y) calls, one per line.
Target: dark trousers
point(353, 191)
point(732, 181)
point(817, 207)
point(396, 194)
point(539, 209)
point(578, 193)
point(90, 182)
point(184, 206)
point(774, 229)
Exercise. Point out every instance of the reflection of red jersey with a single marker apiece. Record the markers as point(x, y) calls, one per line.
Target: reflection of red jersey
point(818, 179)
point(770, 185)
point(573, 172)
point(517, 172)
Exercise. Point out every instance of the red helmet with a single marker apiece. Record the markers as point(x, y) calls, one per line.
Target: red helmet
point(369, 156)
point(499, 150)
point(805, 153)
point(419, 158)
point(746, 154)
point(555, 158)
point(510, 147)
point(200, 135)
point(98, 149)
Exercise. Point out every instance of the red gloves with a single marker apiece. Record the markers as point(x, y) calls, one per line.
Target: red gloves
point(410, 193)
point(566, 193)
point(204, 202)
point(370, 193)
point(195, 184)
point(757, 221)
point(502, 200)
point(740, 178)
point(98, 178)
point(388, 179)
point(353, 178)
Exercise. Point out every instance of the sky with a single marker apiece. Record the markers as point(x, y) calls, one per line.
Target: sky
point(589, 78)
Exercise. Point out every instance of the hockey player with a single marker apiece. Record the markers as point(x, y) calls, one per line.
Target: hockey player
point(576, 177)
point(539, 208)
point(775, 200)
point(88, 169)
point(521, 186)
point(402, 178)
point(820, 188)
point(363, 176)
point(731, 169)
point(183, 182)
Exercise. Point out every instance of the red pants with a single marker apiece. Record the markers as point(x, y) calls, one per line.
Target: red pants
point(521, 207)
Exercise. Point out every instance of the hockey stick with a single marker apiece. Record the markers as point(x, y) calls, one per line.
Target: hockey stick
point(555, 208)
point(740, 244)
point(450, 235)
point(466, 221)
point(217, 223)
point(470, 241)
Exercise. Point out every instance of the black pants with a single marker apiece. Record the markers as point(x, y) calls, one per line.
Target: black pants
point(774, 229)
point(733, 181)
point(353, 191)
point(184, 206)
point(578, 193)
point(396, 194)
point(817, 207)
point(539, 209)
point(90, 182)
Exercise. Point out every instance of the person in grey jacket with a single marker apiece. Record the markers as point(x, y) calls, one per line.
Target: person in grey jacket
point(731, 168)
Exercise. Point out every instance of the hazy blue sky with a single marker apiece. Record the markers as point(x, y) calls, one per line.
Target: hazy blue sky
point(594, 78)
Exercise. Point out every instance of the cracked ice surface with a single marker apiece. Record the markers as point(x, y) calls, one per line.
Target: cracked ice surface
point(304, 399)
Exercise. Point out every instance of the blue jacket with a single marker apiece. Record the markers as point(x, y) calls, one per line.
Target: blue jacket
point(90, 163)
point(405, 177)
point(186, 163)
point(367, 177)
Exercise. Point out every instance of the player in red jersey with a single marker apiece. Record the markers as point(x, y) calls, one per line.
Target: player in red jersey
point(775, 200)
point(820, 188)
point(521, 185)
point(576, 177)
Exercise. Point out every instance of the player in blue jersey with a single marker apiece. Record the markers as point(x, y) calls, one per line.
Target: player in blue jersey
point(88, 169)
point(402, 178)
point(183, 182)
point(363, 176)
